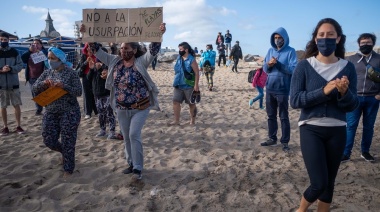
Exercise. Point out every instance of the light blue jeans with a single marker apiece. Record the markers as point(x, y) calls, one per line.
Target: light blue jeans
point(131, 123)
point(260, 96)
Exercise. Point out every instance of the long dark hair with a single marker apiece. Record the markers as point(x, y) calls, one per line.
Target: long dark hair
point(311, 47)
point(187, 46)
point(135, 45)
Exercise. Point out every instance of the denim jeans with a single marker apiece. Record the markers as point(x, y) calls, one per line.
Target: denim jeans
point(31, 82)
point(280, 102)
point(260, 96)
point(368, 107)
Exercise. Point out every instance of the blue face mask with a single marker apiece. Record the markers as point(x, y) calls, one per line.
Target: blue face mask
point(54, 64)
point(326, 46)
point(4, 44)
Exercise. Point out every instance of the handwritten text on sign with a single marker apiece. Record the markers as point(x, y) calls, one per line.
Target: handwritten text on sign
point(38, 57)
point(123, 25)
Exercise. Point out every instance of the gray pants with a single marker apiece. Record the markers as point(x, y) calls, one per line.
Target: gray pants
point(131, 123)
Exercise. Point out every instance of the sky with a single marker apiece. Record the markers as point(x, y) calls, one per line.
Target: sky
point(198, 22)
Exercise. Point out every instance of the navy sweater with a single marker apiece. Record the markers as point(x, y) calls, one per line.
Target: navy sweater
point(306, 92)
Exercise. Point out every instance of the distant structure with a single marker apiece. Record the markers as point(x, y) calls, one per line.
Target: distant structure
point(49, 31)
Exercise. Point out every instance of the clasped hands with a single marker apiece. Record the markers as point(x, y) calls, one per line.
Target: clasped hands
point(52, 83)
point(340, 84)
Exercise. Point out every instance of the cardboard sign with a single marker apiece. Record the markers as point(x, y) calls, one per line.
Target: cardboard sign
point(49, 96)
point(123, 25)
point(38, 57)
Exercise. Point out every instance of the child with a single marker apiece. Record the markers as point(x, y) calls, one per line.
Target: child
point(98, 74)
point(258, 82)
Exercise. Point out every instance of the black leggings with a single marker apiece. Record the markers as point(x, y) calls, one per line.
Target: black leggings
point(322, 149)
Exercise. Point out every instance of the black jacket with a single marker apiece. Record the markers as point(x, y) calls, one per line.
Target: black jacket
point(98, 83)
point(236, 52)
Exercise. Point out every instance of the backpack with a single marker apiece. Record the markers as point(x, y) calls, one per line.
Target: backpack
point(251, 74)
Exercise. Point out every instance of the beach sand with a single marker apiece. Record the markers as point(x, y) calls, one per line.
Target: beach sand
point(216, 165)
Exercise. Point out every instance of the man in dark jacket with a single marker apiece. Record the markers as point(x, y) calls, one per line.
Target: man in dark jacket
point(235, 55)
point(10, 66)
point(34, 68)
point(368, 95)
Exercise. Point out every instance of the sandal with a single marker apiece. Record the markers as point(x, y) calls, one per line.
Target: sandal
point(193, 97)
point(198, 96)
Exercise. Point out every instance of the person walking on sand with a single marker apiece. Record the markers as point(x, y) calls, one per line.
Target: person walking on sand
point(228, 40)
point(183, 92)
point(323, 86)
point(133, 94)
point(34, 70)
point(207, 65)
point(279, 64)
point(235, 55)
point(369, 95)
point(258, 82)
point(10, 66)
point(62, 117)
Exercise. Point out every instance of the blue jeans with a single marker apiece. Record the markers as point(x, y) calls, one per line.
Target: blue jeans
point(368, 106)
point(31, 82)
point(260, 96)
point(280, 102)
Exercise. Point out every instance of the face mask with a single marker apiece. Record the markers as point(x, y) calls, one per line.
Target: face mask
point(326, 46)
point(279, 42)
point(54, 64)
point(366, 49)
point(128, 55)
point(182, 53)
point(4, 44)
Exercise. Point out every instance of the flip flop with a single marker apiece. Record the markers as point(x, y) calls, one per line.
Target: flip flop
point(198, 97)
point(193, 97)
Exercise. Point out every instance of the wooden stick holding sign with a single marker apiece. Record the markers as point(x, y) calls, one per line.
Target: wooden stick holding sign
point(123, 25)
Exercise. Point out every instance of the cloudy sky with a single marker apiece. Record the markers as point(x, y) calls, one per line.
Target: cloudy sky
point(198, 21)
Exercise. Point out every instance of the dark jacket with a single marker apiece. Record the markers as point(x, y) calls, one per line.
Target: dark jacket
point(25, 58)
point(98, 83)
point(366, 87)
point(9, 80)
point(236, 52)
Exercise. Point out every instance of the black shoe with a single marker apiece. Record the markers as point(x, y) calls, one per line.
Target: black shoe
point(137, 174)
point(38, 113)
point(128, 170)
point(367, 157)
point(345, 158)
point(285, 147)
point(269, 142)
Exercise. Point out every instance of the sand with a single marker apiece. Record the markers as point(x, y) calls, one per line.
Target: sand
point(216, 165)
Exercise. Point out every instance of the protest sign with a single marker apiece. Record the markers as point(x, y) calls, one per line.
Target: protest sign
point(123, 25)
point(49, 95)
point(38, 57)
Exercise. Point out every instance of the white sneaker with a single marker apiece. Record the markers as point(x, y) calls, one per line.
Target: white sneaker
point(87, 117)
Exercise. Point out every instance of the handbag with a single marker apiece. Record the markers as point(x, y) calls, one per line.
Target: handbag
point(372, 72)
point(189, 77)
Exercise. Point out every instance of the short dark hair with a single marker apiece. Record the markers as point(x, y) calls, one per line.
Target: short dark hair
point(367, 35)
point(4, 34)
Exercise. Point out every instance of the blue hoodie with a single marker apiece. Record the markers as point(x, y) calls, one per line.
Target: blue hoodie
point(280, 75)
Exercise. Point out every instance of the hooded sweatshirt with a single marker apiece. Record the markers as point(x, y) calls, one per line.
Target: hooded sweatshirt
point(9, 80)
point(279, 75)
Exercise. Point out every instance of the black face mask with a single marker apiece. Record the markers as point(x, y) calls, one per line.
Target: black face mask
point(366, 49)
point(182, 53)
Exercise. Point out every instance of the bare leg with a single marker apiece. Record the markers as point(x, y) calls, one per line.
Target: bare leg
point(304, 205)
point(4, 116)
point(323, 206)
point(192, 113)
point(18, 115)
point(177, 112)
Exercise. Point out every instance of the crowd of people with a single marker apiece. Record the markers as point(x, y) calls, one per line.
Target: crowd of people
point(333, 93)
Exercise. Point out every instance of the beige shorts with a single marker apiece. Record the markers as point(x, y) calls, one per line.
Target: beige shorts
point(10, 96)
